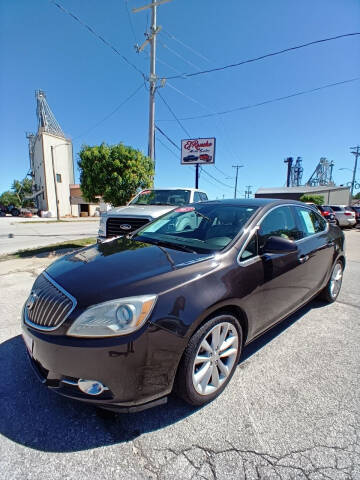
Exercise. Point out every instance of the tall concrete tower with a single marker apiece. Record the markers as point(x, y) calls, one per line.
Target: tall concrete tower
point(51, 161)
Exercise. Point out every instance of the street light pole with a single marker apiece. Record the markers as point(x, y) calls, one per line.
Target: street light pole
point(55, 183)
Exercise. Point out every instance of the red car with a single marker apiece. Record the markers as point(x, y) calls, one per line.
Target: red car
point(205, 157)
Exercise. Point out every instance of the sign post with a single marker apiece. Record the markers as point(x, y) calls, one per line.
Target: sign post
point(198, 151)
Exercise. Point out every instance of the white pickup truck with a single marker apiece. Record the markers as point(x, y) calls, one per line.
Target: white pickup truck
point(145, 207)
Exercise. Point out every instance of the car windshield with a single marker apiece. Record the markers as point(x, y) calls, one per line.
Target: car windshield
point(207, 228)
point(162, 197)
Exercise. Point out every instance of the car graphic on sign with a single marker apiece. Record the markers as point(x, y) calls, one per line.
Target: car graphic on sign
point(190, 158)
point(205, 157)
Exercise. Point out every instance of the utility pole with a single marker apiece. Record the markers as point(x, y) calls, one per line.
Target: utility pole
point(151, 38)
point(236, 177)
point(248, 192)
point(356, 153)
point(289, 161)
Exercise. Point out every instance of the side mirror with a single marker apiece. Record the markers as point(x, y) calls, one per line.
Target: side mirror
point(279, 245)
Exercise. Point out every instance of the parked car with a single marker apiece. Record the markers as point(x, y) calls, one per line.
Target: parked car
point(145, 207)
point(356, 210)
point(327, 212)
point(324, 210)
point(9, 209)
point(118, 324)
point(344, 217)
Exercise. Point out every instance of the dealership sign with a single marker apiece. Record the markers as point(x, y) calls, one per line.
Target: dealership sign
point(198, 150)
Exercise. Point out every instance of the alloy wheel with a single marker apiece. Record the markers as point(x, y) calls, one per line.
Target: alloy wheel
point(215, 358)
point(336, 280)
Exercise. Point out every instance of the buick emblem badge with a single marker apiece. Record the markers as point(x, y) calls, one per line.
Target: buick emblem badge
point(125, 226)
point(31, 300)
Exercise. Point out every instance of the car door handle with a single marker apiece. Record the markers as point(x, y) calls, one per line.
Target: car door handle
point(303, 258)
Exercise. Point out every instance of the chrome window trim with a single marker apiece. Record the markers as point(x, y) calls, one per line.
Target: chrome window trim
point(62, 290)
point(253, 231)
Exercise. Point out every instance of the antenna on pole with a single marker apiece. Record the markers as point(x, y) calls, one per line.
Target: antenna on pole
point(151, 39)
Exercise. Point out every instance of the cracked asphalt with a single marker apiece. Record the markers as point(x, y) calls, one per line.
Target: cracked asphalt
point(291, 411)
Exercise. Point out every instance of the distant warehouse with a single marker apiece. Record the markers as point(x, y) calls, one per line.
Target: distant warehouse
point(333, 195)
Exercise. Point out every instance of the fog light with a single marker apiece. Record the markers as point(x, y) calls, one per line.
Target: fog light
point(91, 387)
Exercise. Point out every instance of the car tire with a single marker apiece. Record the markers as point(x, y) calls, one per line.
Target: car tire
point(15, 212)
point(2, 214)
point(209, 360)
point(330, 293)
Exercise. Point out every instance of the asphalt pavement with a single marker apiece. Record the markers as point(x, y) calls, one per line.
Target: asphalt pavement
point(291, 411)
point(18, 233)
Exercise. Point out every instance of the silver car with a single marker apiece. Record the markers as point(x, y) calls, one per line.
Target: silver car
point(344, 217)
point(145, 207)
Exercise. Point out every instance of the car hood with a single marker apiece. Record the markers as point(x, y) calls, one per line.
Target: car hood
point(120, 268)
point(153, 211)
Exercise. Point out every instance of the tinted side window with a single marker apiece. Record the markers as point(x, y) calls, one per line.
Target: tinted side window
point(310, 222)
point(280, 222)
point(251, 249)
point(203, 197)
point(197, 197)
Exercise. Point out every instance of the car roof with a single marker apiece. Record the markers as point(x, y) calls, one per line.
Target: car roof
point(253, 202)
point(175, 188)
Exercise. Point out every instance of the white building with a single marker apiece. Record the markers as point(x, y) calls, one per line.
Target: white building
point(51, 162)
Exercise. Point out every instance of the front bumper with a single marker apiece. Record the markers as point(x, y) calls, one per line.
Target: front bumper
point(138, 374)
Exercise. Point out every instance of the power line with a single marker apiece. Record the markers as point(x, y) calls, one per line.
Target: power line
point(195, 52)
point(272, 54)
point(218, 169)
point(101, 38)
point(168, 138)
point(113, 112)
point(167, 147)
point(220, 121)
point(177, 54)
point(173, 114)
point(130, 20)
point(216, 180)
point(246, 107)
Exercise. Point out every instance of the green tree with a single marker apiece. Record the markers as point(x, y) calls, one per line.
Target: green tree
point(357, 196)
point(22, 189)
point(114, 172)
point(317, 199)
point(9, 198)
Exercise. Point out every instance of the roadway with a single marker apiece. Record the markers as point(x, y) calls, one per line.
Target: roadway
point(291, 411)
point(19, 233)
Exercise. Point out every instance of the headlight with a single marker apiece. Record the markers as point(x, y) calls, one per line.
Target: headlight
point(117, 317)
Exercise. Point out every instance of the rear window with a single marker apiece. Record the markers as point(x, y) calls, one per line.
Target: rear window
point(337, 209)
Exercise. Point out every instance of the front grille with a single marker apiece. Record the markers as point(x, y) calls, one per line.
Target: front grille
point(114, 224)
point(48, 305)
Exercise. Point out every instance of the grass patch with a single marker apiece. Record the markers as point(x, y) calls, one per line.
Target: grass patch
point(34, 252)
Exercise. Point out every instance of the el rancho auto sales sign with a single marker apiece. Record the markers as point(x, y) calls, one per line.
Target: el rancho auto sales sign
point(198, 150)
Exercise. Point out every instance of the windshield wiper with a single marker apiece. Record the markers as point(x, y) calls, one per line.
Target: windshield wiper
point(163, 243)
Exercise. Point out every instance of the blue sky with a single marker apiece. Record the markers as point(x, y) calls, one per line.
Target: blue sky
point(43, 48)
